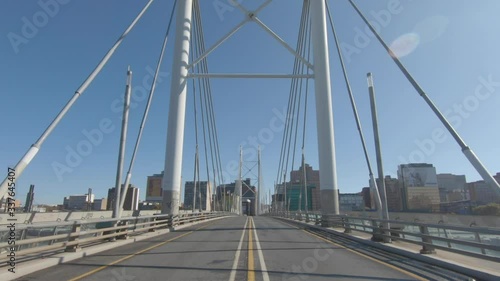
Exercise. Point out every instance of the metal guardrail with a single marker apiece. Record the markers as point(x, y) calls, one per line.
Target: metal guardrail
point(70, 236)
point(480, 242)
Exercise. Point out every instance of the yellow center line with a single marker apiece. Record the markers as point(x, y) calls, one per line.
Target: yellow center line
point(251, 269)
point(134, 254)
point(368, 257)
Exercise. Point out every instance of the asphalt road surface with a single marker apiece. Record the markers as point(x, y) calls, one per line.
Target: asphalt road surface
point(241, 248)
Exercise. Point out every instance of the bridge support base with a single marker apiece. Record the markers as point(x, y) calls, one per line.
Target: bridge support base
point(72, 249)
point(427, 249)
point(171, 200)
point(377, 232)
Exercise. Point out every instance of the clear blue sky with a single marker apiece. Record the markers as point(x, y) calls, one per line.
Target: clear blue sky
point(450, 45)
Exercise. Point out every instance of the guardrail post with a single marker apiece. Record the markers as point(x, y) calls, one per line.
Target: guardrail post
point(53, 233)
point(153, 220)
point(347, 225)
point(478, 239)
point(445, 231)
point(75, 229)
point(325, 221)
point(426, 248)
point(24, 232)
point(377, 232)
point(124, 235)
point(171, 221)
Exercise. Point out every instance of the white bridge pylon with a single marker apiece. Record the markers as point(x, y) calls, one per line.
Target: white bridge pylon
point(180, 74)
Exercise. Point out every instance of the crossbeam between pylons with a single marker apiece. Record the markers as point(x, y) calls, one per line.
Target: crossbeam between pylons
point(180, 74)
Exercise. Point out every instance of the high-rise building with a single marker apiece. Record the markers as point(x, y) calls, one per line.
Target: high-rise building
point(99, 204)
point(497, 177)
point(313, 185)
point(28, 205)
point(78, 202)
point(482, 193)
point(394, 194)
point(351, 202)
point(296, 196)
point(205, 188)
point(154, 191)
point(131, 200)
point(368, 198)
point(452, 188)
point(419, 186)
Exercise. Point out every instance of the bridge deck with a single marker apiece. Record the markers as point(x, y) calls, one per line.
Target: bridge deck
point(207, 252)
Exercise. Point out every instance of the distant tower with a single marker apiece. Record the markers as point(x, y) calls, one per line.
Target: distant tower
point(28, 206)
point(89, 200)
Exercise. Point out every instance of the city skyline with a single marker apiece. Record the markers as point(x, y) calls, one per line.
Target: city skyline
point(355, 191)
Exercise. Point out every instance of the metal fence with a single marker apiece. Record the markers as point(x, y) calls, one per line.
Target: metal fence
point(481, 242)
point(28, 239)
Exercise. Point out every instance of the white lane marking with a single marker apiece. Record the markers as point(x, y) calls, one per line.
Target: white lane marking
point(237, 255)
point(263, 267)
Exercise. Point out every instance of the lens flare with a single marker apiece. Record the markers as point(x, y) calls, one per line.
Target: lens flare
point(405, 44)
point(431, 28)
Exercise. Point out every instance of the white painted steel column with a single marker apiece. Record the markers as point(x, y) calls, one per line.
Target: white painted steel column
point(324, 114)
point(239, 185)
point(33, 150)
point(259, 186)
point(176, 115)
point(121, 151)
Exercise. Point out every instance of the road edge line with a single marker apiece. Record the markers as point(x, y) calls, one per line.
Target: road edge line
point(232, 276)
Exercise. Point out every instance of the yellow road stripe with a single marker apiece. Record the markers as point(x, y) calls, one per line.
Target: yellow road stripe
point(134, 254)
point(251, 269)
point(258, 247)
point(368, 257)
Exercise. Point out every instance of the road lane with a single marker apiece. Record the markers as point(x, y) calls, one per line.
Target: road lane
point(204, 254)
point(293, 254)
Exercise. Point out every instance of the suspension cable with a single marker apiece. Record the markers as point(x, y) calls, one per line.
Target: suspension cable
point(302, 51)
point(196, 158)
point(33, 150)
point(290, 135)
point(201, 85)
point(304, 176)
point(209, 128)
point(146, 110)
point(214, 143)
point(349, 91)
point(355, 112)
point(290, 100)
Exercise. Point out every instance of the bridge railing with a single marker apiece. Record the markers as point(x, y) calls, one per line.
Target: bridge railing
point(28, 239)
point(481, 242)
